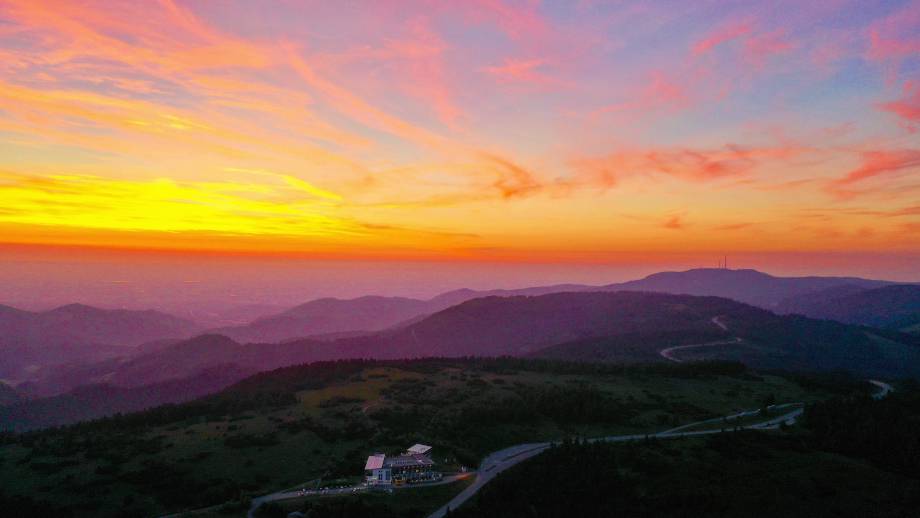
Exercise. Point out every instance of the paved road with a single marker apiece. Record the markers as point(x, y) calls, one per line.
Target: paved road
point(501, 460)
point(360, 488)
point(669, 352)
point(884, 389)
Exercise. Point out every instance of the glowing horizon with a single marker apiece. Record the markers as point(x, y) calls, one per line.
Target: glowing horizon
point(461, 131)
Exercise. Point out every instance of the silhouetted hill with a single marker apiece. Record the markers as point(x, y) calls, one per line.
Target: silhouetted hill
point(892, 307)
point(330, 317)
point(622, 326)
point(785, 342)
point(633, 326)
point(93, 401)
point(628, 347)
point(246, 313)
point(491, 326)
point(8, 395)
point(748, 286)
point(181, 360)
point(520, 325)
point(176, 361)
point(30, 340)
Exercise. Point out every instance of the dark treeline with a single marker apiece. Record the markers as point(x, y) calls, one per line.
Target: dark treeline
point(885, 432)
point(351, 507)
point(465, 407)
point(739, 474)
point(277, 388)
point(815, 471)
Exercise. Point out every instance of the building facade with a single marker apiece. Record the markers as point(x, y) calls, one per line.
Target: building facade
point(413, 466)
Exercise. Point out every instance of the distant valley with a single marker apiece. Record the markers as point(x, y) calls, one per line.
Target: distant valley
point(133, 353)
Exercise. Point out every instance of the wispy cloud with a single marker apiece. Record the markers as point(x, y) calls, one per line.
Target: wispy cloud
point(688, 164)
point(908, 107)
point(875, 165)
point(728, 32)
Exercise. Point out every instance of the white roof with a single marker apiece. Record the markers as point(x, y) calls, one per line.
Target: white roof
point(420, 448)
point(375, 461)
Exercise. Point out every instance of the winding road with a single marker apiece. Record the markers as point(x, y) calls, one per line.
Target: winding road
point(499, 461)
point(345, 490)
point(669, 352)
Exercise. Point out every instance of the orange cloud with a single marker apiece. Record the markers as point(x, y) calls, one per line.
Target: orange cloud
point(675, 222)
point(875, 164)
point(513, 181)
point(697, 165)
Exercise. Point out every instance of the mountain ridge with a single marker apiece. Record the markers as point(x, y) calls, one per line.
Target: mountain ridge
point(324, 316)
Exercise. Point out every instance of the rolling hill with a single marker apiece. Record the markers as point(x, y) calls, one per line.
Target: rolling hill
point(891, 307)
point(31, 340)
point(8, 395)
point(624, 326)
point(330, 317)
point(748, 286)
point(94, 401)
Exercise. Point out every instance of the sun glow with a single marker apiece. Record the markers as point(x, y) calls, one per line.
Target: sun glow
point(470, 130)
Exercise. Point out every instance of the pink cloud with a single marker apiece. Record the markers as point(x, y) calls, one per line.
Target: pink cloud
point(908, 107)
point(428, 72)
point(726, 33)
point(525, 71)
point(660, 92)
point(520, 21)
point(760, 48)
point(896, 35)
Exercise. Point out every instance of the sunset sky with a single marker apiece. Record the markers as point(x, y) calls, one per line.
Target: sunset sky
point(467, 131)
